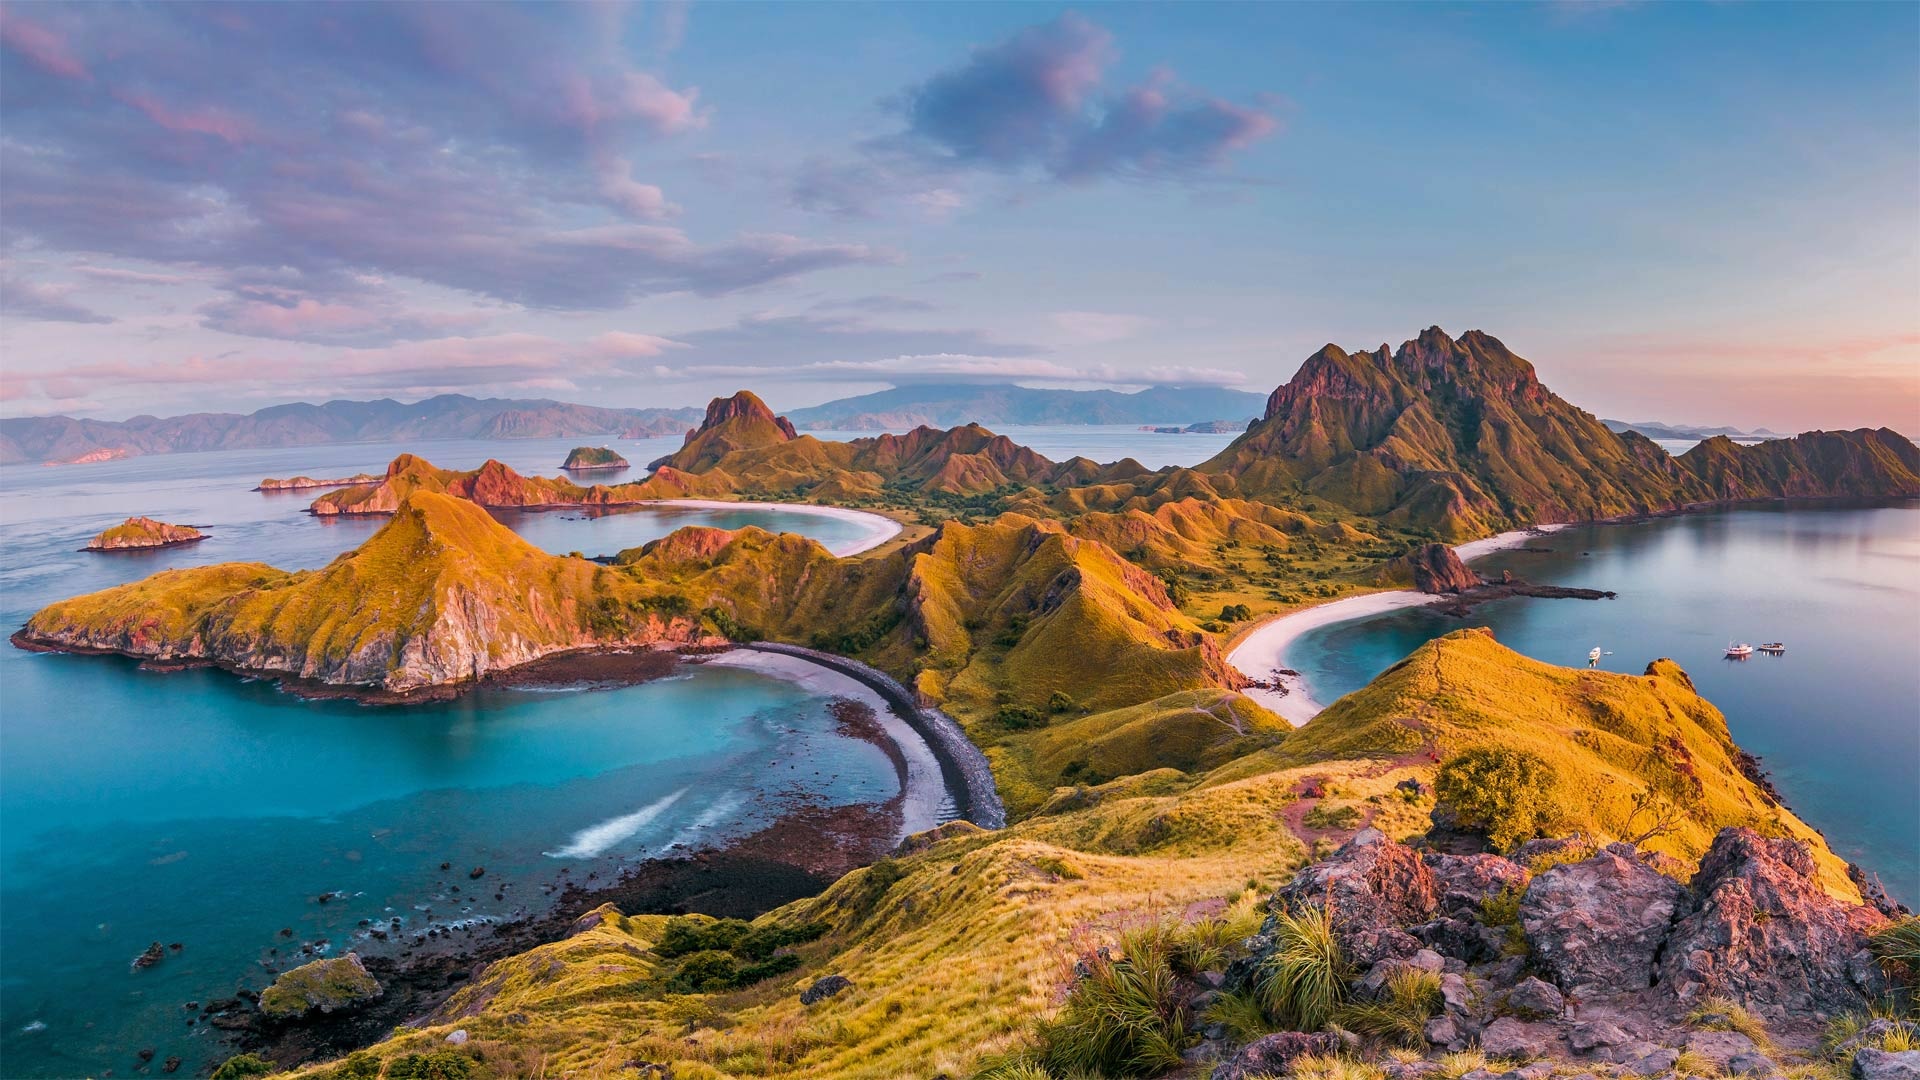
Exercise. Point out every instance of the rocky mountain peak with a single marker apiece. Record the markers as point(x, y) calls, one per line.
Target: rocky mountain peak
point(745, 405)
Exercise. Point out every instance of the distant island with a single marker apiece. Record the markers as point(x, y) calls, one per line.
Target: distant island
point(302, 483)
point(1207, 427)
point(1655, 430)
point(448, 416)
point(143, 532)
point(588, 458)
point(950, 405)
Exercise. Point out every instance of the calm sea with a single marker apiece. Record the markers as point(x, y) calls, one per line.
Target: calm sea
point(1836, 719)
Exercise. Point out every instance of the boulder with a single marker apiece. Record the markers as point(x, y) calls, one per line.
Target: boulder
point(1511, 1037)
point(1274, 1055)
point(1763, 932)
point(1598, 924)
point(1594, 1036)
point(825, 987)
point(1720, 1047)
point(1754, 1064)
point(327, 986)
point(1373, 888)
point(1654, 1062)
point(1871, 1064)
point(1535, 1000)
point(1466, 881)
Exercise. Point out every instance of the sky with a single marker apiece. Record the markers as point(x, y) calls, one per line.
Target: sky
point(1692, 213)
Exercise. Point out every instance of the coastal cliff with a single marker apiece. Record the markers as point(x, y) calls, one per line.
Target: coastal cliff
point(143, 532)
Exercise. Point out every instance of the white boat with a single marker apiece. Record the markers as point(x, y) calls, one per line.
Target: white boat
point(1740, 651)
point(1593, 657)
point(1778, 648)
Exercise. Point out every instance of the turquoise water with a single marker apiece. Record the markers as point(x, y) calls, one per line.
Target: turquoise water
point(203, 809)
point(1836, 719)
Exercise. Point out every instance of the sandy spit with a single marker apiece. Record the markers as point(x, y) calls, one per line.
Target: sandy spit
point(1264, 651)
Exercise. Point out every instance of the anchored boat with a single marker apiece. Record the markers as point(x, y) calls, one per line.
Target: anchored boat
point(1740, 651)
point(1777, 648)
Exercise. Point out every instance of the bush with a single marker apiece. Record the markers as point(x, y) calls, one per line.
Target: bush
point(358, 1065)
point(438, 1065)
point(726, 954)
point(1127, 1017)
point(1060, 702)
point(1020, 717)
point(1304, 981)
point(241, 1066)
point(686, 935)
point(1331, 817)
point(1508, 794)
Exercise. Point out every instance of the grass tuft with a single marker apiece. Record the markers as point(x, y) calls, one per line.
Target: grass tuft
point(1898, 949)
point(1304, 982)
point(1411, 998)
point(1725, 1014)
point(1335, 1067)
point(1126, 1017)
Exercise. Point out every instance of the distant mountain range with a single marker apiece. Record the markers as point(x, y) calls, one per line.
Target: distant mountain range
point(449, 416)
point(945, 406)
point(1655, 430)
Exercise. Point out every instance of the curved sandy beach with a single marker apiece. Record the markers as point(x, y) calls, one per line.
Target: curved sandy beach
point(876, 529)
point(1264, 651)
point(925, 789)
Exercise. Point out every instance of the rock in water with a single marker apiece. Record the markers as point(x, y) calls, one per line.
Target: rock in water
point(153, 955)
point(143, 532)
point(1436, 569)
point(326, 985)
point(1598, 924)
point(585, 458)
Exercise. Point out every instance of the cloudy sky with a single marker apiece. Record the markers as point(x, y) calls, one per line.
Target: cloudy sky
point(1693, 213)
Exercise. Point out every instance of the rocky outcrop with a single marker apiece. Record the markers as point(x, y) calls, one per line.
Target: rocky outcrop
point(740, 422)
point(1433, 568)
point(332, 985)
point(1764, 933)
point(1374, 889)
point(143, 532)
point(1598, 925)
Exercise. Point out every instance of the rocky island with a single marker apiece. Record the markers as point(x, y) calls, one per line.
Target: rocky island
point(589, 458)
point(143, 532)
point(303, 483)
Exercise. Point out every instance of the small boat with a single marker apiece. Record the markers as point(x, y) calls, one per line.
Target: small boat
point(1777, 648)
point(1740, 651)
point(1593, 657)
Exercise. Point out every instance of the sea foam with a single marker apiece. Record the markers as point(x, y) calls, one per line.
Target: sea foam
point(595, 839)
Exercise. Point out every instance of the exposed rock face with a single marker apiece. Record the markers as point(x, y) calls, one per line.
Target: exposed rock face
point(1436, 569)
point(1598, 925)
point(143, 532)
point(740, 422)
point(1764, 933)
point(1871, 1064)
point(1274, 1055)
point(1374, 888)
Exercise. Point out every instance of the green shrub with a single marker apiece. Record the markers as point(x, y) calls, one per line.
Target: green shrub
point(1303, 983)
point(1331, 817)
point(1020, 717)
point(1060, 702)
point(241, 1066)
point(438, 1065)
point(1508, 794)
point(358, 1065)
point(705, 973)
point(1127, 1017)
point(1501, 911)
point(687, 935)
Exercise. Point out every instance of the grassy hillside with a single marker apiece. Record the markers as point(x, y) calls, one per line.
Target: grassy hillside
point(956, 946)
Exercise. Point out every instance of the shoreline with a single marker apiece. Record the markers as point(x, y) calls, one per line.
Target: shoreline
point(878, 528)
point(1264, 648)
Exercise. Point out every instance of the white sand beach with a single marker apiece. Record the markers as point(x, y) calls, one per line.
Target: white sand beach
point(925, 789)
point(876, 529)
point(1264, 651)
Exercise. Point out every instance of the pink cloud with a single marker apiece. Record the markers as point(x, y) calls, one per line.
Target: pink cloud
point(46, 48)
point(205, 120)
